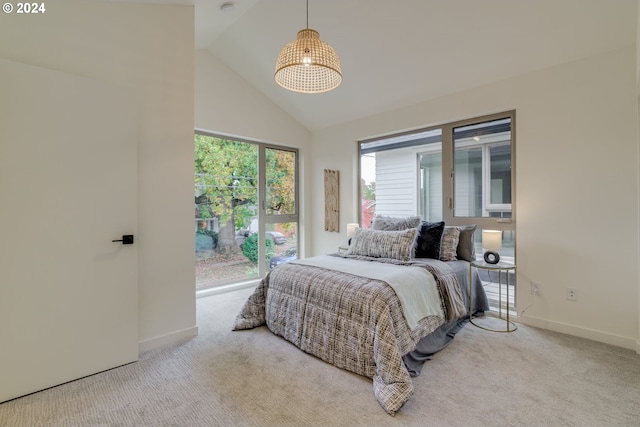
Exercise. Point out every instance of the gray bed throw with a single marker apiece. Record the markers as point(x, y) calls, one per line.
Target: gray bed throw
point(352, 322)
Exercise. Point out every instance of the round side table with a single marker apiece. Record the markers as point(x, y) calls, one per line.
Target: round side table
point(500, 267)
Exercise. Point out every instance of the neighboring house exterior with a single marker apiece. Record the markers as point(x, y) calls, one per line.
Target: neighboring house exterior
point(409, 177)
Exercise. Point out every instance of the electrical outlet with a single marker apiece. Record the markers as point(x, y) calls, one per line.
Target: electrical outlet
point(572, 294)
point(535, 288)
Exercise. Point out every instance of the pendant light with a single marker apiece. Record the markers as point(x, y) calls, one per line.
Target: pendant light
point(308, 65)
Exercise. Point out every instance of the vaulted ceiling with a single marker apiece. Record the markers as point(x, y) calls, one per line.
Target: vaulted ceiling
point(395, 53)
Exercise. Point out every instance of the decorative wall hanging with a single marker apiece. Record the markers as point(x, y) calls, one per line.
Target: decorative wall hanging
point(331, 200)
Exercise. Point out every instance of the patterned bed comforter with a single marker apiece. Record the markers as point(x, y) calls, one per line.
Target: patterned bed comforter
point(352, 322)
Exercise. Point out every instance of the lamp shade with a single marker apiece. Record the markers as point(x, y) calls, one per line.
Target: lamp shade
point(308, 65)
point(351, 229)
point(492, 239)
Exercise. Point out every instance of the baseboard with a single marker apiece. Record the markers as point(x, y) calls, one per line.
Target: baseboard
point(227, 288)
point(185, 334)
point(172, 338)
point(590, 334)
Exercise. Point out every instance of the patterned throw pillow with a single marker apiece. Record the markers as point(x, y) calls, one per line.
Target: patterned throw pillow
point(383, 244)
point(466, 243)
point(449, 246)
point(382, 222)
point(429, 240)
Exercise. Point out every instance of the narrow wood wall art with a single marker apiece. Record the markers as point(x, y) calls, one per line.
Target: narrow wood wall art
point(331, 200)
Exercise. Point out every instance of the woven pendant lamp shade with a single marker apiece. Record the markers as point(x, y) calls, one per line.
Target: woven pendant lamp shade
point(308, 65)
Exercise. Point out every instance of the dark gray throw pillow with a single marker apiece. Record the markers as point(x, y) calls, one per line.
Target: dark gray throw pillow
point(429, 239)
point(466, 244)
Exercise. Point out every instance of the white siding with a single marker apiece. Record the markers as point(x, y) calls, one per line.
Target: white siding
point(465, 196)
point(435, 195)
point(394, 169)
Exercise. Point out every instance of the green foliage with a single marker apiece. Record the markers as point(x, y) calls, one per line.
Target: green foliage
point(242, 216)
point(226, 173)
point(206, 240)
point(213, 234)
point(251, 271)
point(250, 248)
point(368, 190)
point(281, 181)
point(204, 212)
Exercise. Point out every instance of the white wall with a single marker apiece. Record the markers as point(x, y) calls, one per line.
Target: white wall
point(576, 187)
point(147, 49)
point(226, 104)
point(638, 94)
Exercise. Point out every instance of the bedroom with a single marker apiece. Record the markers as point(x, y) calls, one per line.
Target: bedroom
point(568, 109)
point(556, 238)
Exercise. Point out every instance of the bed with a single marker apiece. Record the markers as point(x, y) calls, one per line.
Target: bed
point(378, 310)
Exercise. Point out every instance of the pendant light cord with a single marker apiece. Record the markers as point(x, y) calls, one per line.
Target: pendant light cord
point(307, 14)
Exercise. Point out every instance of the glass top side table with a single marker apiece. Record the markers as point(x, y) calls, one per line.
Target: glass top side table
point(500, 267)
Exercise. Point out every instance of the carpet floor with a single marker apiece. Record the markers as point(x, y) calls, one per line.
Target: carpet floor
point(530, 377)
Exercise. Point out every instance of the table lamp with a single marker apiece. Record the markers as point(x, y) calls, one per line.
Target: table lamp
point(351, 230)
point(491, 242)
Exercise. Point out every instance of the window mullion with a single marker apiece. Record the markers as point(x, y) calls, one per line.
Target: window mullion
point(262, 207)
point(486, 179)
point(448, 174)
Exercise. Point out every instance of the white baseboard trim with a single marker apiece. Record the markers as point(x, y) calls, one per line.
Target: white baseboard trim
point(186, 334)
point(172, 338)
point(590, 334)
point(228, 288)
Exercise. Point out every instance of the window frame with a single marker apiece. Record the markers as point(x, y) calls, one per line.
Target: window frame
point(448, 171)
point(265, 219)
point(489, 223)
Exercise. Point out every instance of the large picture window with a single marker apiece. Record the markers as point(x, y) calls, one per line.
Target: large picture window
point(246, 209)
point(461, 173)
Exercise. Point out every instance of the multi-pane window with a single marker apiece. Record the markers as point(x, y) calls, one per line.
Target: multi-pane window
point(461, 173)
point(246, 209)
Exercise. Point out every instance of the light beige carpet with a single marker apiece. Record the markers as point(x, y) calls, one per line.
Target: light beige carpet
point(252, 378)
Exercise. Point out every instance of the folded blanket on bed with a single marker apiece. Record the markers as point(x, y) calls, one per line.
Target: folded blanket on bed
point(453, 303)
point(447, 281)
